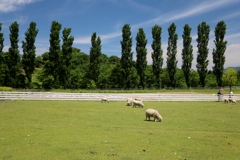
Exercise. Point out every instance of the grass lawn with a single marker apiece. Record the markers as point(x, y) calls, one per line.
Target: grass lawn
point(76, 130)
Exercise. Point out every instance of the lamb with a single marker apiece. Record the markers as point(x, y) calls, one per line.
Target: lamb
point(153, 113)
point(234, 101)
point(105, 100)
point(129, 101)
point(138, 103)
point(226, 100)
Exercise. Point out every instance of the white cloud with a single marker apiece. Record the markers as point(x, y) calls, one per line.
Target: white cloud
point(232, 55)
point(82, 40)
point(12, 5)
point(104, 38)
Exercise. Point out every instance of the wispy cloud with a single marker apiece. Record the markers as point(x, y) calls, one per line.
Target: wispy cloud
point(141, 7)
point(187, 12)
point(193, 10)
point(12, 5)
point(82, 40)
point(230, 16)
point(105, 37)
point(233, 36)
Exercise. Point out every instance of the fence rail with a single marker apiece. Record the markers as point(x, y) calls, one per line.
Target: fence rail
point(111, 97)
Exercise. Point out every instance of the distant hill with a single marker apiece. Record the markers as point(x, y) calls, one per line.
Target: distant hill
point(237, 68)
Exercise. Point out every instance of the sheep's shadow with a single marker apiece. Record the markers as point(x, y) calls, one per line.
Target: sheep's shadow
point(150, 120)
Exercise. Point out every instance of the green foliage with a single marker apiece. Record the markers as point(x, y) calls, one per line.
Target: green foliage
point(105, 72)
point(171, 54)
point(134, 78)
point(211, 80)
point(1, 45)
point(38, 62)
point(230, 77)
point(194, 78)
point(48, 82)
point(6, 88)
point(157, 54)
point(78, 69)
point(95, 53)
point(95, 130)
point(77, 79)
point(51, 68)
point(91, 85)
point(29, 49)
point(72, 69)
point(65, 59)
point(141, 62)
point(114, 60)
point(202, 62)
point(126, 61)
point(179, 78)
point(1, 57)
point(115, 77)
point(187, 55)
point(165, 78)
point(218, 53)
point(238, 77)
point(13, 57)
point(150, 78)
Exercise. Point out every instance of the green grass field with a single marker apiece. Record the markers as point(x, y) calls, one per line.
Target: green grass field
point(79, 130)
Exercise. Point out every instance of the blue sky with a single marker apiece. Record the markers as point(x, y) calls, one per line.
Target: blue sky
point(107, 17)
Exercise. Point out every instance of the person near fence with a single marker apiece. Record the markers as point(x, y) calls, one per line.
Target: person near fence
point(219, 95)
point(230, 94)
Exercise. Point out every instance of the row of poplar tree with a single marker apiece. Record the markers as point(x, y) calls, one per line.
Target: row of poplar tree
point(67, 67)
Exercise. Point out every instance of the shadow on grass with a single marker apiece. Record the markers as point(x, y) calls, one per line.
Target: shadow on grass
point(151, 121)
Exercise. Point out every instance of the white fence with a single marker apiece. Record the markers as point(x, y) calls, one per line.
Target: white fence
point(111, 97)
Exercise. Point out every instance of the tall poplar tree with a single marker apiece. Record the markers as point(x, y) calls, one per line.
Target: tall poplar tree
point(29, 51)
point(126, 61)
point(1, 57)
point(95, 53)
point(64, 73)
point(141, 62)
point(171, 54)
point(218, 52)
point(52, 66)
point(202, 44)
point(187, 56)
point(1, 45)
point(13, 57)
point(157, 53)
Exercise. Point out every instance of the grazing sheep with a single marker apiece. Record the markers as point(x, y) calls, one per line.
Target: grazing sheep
point(234, 101)
point(230, 100)
point(138, 103)
point(153, 113)
point(105, 100)
point(138, 99)
point(129, 101)
point(226, 100)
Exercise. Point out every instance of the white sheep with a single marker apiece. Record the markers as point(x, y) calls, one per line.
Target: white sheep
point(230, 100)
point(138, 103)
point(138, 99)
point(129, 101)
point(153, 113)
point(105, 100)
point(226, 100)
point(234, 101)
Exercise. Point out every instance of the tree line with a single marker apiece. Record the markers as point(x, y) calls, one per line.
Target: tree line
point(64, 66)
